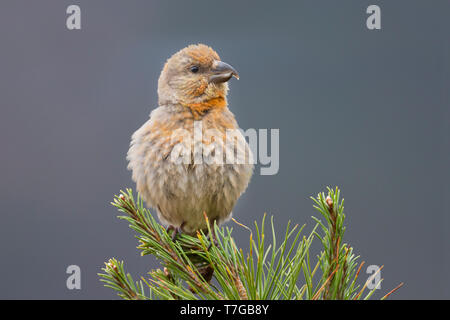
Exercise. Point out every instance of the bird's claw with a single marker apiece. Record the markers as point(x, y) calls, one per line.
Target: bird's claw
point(212, 239)
point(175, 231)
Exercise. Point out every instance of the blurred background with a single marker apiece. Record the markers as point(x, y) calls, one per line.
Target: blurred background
point(366, 110)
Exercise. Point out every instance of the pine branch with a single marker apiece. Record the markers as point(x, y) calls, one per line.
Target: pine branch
point(268, 271)
point(115, 278)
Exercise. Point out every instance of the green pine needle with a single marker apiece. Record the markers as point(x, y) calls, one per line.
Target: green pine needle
point(277, 271)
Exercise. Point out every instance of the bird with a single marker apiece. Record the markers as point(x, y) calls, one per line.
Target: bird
point(192, 116)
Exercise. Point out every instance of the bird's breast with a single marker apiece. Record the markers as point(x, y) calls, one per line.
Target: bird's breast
point(182, 164)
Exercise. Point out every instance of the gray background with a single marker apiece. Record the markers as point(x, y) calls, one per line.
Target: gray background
point(365, 110)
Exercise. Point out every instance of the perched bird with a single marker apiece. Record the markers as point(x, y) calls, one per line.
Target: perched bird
point(192, 90)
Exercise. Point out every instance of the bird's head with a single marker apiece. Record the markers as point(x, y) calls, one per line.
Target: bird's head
point(195, 76)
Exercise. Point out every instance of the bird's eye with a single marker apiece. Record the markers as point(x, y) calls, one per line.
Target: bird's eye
point(194, 69)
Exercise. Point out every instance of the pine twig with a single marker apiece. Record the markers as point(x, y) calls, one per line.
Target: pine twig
point(267, 271)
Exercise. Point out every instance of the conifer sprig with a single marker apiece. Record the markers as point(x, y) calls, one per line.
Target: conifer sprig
point(279, 270)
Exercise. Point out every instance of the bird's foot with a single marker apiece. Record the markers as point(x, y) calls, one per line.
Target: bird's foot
point(212, 238)
point(175, 231)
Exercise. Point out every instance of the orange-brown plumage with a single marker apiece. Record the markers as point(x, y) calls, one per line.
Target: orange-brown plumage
point(192, 92)
point(202, 54)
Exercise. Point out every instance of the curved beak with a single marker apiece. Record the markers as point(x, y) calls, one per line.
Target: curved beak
point(222, 72)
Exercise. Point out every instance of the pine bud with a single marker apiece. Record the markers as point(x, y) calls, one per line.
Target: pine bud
point(166, 272)
point(112, 266)
point(329, 202)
